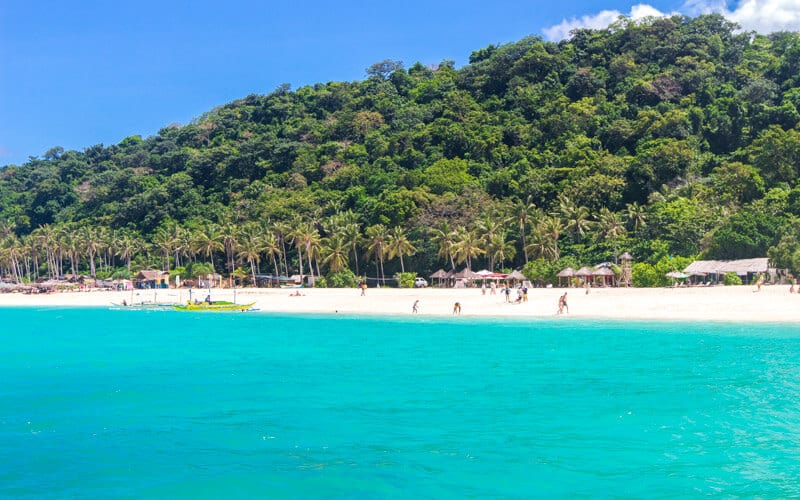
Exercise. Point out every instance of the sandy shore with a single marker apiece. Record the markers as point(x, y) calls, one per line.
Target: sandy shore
point(739, 304)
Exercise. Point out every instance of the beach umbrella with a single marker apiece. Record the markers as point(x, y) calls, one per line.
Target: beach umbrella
point(676, 275)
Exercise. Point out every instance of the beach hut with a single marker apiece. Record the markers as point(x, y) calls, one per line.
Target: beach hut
point(439, 276)
point(566, 274)
point(463, 277)
point(605, 274)
point(714, 270)
point(585, 273)
point(516, 276)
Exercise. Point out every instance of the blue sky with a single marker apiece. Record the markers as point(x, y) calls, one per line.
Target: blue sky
point(76, 74)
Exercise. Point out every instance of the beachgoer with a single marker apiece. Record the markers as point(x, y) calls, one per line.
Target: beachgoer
point(791, 288)
point(457, 308)
point(483, 288)
point(587, 286)
point(524, 294)
point(124, 302)
point(519, 295)
point(563, 303)
point(363, 289)
point(507, 292)
point(493, 288)
point(414, 307)
point(208, 299)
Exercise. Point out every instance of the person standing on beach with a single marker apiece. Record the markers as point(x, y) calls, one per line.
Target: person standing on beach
point(457, 308)
point(363, 287)
point(562, 304)
point(414, 309)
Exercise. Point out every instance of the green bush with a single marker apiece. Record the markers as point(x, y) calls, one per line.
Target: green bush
point(731, 279)
point(405, 280)
point(645, 275)
point(341, 279)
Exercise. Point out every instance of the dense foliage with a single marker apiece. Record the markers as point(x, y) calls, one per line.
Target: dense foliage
point(664, 137)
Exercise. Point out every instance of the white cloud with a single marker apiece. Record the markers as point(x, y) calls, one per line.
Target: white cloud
point(766, 16)
point(763, 16)
point(598, 21)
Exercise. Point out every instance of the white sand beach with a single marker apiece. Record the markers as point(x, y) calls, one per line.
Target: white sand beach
point(737, 303)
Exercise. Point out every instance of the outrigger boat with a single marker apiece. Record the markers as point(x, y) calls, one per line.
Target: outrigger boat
point(216, 305)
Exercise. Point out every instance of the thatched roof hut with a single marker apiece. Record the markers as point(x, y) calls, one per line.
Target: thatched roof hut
point(748, 268)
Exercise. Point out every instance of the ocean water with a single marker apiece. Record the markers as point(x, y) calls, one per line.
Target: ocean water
point(98, 403)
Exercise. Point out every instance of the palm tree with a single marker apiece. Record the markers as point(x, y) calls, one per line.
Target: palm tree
point(490, 227)
point(553, 228)
point(377, 238)
point(89, 241)
point(399, 245)
point(444, 238)
point(208, 240)
point(352, 234)
point(522, 212)
point(467, 245)
point(500, 249)
point(335, 250)
point(164, 240)
point(610, 227)
point(576, 218)
point(637, 215)
point(250, 247)
point(128, 243)
point(272, 248)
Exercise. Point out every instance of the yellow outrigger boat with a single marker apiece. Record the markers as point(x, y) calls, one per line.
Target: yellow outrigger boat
point(217, 305)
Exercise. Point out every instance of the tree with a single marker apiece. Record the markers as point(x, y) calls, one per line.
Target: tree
point(334, 252)
point(468, 245)
point(398, 245)
point(610, 227)
point(377, 240)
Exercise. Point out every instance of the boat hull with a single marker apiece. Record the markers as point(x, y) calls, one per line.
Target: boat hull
point(214, 306)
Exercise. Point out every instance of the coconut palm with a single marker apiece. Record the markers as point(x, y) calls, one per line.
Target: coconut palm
point(250, 246)
point(444, 238)
point(468, 245)
point(335, 250)
point(377, 239)
point(208, 240)
point(576, 218)
point(499, 249)
point(522, 213)
point(272, 248)
point(610, 227)
point(352, 234)
point(164, 241)
point(637, 216)
point(399, 245)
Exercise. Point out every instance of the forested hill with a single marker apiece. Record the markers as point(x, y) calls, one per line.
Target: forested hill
point(667, 138)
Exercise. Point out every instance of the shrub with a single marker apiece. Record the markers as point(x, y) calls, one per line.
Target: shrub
point(405, 280)
point(341, 279)
point(731, 279)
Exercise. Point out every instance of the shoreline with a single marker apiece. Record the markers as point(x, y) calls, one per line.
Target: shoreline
point(739, 304)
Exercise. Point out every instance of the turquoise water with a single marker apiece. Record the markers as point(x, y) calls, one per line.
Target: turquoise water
point(98, 403)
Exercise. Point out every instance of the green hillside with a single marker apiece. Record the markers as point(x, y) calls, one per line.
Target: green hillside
point(668, 138)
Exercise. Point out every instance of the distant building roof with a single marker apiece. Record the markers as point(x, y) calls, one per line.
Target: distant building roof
point(741, 267)
point(149, 274)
